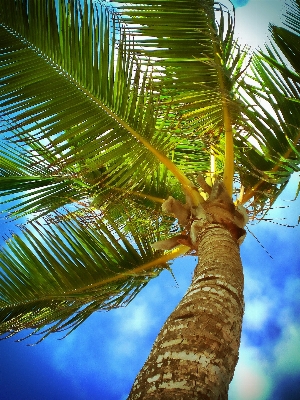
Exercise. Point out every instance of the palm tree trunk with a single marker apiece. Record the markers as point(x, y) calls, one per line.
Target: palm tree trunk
point(196, 351)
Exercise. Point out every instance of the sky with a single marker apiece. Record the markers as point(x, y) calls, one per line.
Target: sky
point(101, 358)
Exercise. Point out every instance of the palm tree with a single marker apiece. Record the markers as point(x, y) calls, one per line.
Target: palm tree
point(116, 119)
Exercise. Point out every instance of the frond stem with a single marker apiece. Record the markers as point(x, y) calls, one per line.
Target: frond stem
point(177, 252)
point(140, 194)
point(229, 148)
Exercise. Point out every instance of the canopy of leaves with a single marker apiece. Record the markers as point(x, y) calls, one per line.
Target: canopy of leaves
point(106, 110)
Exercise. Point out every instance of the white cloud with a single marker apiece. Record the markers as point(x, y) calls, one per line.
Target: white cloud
point(250, 381)
point(256, 375)
point(287, 351)
point(257, 313)
point(135, 320)
point(259, 302)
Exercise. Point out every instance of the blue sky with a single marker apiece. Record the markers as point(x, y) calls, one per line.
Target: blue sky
point(102, 357)
point(240, 3)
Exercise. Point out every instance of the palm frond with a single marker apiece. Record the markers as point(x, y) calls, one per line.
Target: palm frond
point(56, 276)
point(177, 38)
point(198, 63)
point(272, 114)
point(90, 118)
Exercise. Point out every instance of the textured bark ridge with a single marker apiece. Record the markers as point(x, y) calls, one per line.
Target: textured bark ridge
point(196, 351)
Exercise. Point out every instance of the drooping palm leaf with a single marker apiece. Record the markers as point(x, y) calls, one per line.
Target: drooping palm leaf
point(76, 129)
point(56, 276)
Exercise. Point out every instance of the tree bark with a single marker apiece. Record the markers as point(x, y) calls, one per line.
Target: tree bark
point(196, 351)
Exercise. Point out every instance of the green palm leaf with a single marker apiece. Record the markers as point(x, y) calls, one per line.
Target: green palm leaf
point(275, 127)
point(58, 275)
point(87, 118)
